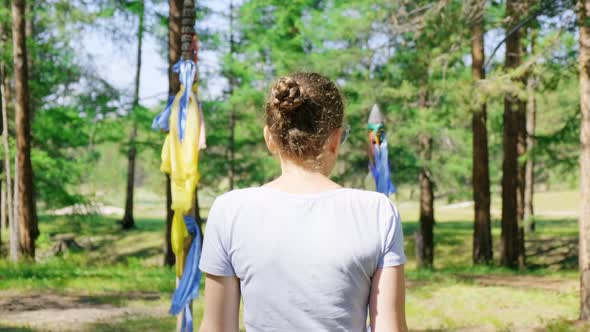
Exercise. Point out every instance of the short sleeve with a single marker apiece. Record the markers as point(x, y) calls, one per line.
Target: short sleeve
point(215, 258)
point(392, 237)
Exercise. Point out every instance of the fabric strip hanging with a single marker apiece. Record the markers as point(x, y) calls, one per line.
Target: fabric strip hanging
point(378, 153)
point(183, 119)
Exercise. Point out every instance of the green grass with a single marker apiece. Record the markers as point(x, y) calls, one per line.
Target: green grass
point(117, 268)
point(136, 324)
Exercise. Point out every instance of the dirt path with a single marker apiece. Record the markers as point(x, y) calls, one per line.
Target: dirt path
point(52, 312)
point(527, 282)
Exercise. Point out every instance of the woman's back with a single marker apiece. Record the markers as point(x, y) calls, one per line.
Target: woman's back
point(304, 261)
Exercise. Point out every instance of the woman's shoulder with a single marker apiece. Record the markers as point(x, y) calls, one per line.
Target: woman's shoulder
point(367, 195)
point(238, 195)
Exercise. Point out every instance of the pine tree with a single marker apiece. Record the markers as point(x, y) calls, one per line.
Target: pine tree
point(128, 220)
point(27, 213)
point(482, 235)
point(511, 255)
point(174, 26)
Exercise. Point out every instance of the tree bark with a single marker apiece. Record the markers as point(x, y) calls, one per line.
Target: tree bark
point(27, 214)
point(29, 33)
point(128, 221)
point(169, 258)
point(197, 213)
point(7, 169)
point(187, 28)
point(425, 233)
point(4, 95)
point(174, 26)
point(15, 217)
point(531, 115)
point(583, 10)
point(510, 253)
point(482, 235)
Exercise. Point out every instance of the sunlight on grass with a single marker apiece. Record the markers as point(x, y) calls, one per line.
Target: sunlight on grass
point(458, 305)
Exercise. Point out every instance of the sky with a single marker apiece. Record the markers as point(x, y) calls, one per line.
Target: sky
point(115, 60)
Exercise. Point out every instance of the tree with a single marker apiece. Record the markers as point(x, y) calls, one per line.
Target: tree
point(174, 26)
point(531, 114)
point(5, 94)
point(425, 234)
point(511, 253)
point(482, 236)
point(5, 215)
point(7, 192)
point(583, 13)
point(27, 214)
point(128, 221)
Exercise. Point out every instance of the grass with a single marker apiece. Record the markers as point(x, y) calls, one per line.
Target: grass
point(122, 270)
point(137, 324)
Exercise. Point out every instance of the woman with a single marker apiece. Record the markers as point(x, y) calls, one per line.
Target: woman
point(304, 253)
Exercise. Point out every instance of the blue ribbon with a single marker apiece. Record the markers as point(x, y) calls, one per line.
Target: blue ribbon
point(190, 282)
point(186, 70)
point(380, 170)
point(162, 120)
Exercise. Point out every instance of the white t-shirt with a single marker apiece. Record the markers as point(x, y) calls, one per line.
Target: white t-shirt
point(305, 261)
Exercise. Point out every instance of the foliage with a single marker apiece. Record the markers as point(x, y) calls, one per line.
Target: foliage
point(411, 58)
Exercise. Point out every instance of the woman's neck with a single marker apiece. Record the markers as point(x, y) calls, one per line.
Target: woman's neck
point(299, 179)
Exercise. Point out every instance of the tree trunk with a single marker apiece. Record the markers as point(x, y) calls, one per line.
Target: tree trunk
point(15, 230)
point(4, 97)
point(169, 258)
point(187, 33)
point(232, 115)
point(425, 234)
point(583, 9)
point(187, 28)
point(531, 115)
point(482, 235)
point(3, 213)
point(5, 94)
point(128, 221)
point(27, 213)
point(197, 212)
point(29, 33)
point(510, 253)
point(174, 25)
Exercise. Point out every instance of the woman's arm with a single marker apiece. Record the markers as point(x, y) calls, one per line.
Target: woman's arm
point(387, 302)
point(222, 304)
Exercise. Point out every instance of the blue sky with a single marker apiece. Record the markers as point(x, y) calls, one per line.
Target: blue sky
point(115, 60)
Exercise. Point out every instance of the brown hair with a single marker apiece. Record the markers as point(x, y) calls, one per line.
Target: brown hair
point(302, 111)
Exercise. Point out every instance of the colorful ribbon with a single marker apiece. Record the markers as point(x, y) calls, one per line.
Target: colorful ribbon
point(380, 163)
point(188, 287)
point(183, 120)
point(186, 70)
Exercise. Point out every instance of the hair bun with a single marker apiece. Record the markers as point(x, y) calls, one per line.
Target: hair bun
point(286, 95)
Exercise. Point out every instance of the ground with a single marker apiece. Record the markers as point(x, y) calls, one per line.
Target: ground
point(115, 282)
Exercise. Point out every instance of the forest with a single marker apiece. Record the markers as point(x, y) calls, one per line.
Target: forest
point(486, 106)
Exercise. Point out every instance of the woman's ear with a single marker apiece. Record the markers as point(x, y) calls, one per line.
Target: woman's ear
point(270, 144)
point(334, 140)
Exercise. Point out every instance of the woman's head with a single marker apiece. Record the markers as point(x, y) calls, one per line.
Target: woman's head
point(304, 118)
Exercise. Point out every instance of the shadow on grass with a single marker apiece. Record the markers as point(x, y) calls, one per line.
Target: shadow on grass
point(166, 324)
point(15, 329)
point(555, 252)
point(43, 301)
point(138, 254)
